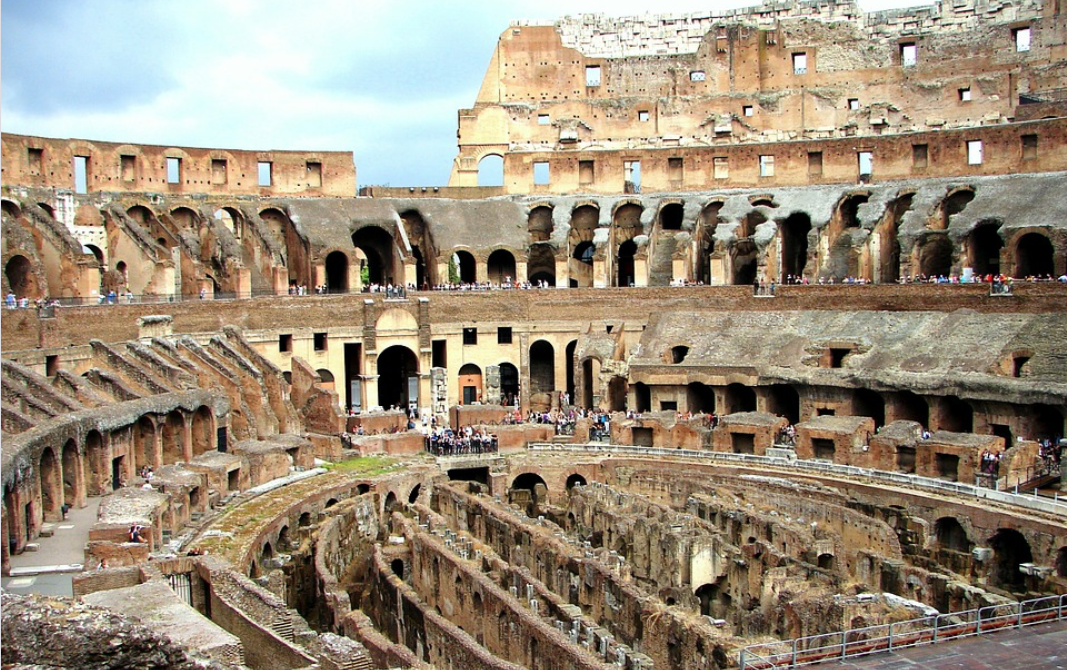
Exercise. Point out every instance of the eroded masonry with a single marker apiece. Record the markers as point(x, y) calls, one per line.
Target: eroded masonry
point(762, 338)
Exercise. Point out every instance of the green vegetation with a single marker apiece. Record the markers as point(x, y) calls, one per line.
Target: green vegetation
point(365, 465)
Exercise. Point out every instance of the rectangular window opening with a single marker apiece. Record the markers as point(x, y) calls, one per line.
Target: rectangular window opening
point(823, 449)
point(592, 75)
point(541, 173)
point(853, 103)
point(503, 335)
point(35, 160)
point(632, 176)
point(128, 167)
point(748, 110)
point(314, 174)
point(800, 63)
point(675, 169)
point(81, 174)
point(974, 152)
point(721, 167)
point(697, 75)
point(585, 172)
point(174, 170)
point(668, 405)
point(1029, 147)
point(836, 357)
point(815, 163)
point(865, 159)
point(965, 94)
point(642, 115)
point(320, 341)
point(543, 119)
point(218, 170)
point(285, 343)
point(1022, 39)
point(766, 166)
point(439, 354)
point(51, 366)
point(470, 336)
point(909, 54)
point(919, 155)
point(263, 170)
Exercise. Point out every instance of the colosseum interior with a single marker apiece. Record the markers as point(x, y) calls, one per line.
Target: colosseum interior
point(763, 340)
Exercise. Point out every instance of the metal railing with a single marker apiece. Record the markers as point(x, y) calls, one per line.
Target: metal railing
point(1053, 506)
point(902, 634)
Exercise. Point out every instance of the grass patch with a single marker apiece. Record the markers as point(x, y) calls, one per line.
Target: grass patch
point(365, 465)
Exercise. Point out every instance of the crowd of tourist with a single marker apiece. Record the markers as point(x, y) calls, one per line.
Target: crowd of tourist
point(468, 440)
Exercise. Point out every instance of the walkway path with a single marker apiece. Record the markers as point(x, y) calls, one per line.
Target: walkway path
point(48, 569)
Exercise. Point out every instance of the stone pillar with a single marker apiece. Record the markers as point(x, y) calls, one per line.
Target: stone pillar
point(524, 372)
point(492, 385)
point(187, 439)
point(439, 391)
point(481, 271)
point(370, 390)
point(563, 272)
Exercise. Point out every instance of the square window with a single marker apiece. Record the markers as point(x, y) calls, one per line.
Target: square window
point(748, 110)
point(285, 343)
point(263, 171)
point(697, 75)
point(974, 152)
point(1022, 39)
point(766, 166)
point(642, 115)
point(853, 103)
point(721, 165)
point(865, 159)
point(320, 341)
point(540, 170)
point(585, 172)
point(965, 94)
point(174, 170)
point(503, 335)
point(314, 174)
point(592, 75)
point(815, 163)
point(470, 336)
point(919, 153)
point(800, 63)
point(35, 158)
point(1029, 147)
point(909, 54)
point(543, 119)
point(218, 170)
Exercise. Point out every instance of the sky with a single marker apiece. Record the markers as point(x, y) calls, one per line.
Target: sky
point(383, 80)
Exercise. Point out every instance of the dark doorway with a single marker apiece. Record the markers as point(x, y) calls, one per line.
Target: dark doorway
point(398, 367)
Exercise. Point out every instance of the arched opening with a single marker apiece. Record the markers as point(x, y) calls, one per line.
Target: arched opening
point(422, 245)
point(714, 600)
point(886, 237)
point(539, 224)
point(870, 403)
point(97, 466)
point(955, 203)
point(582, 270)
point(935, 256)
point(951, 535)
point(229, 218)
point(397, 566)
point(1061, 562)
point(390, 503)
point(266, 555)
point(330, 503)
point(643, 398)
point(203, 430)
point(305, 520)
point(569, 364)
point(470, 384)
point(173, 438)
point(501, 267)
point(185, 218)
point(575, 480)
point(849, 208)
point(528, 490)
point(337, 272)
point(542, 372)
point(144, 438)
point(326, 379)
point(677, 354)
point(826, 561)
point(51, 485)
point(283, 538)
point(20, 277)
point(626, 267)
point(984, 245)
point(699, 398)
point(362, 488)
point(11, 209)
point(1033, 256)
point(590, 382)
point(466, 271)
point(1046, 422)
point(72, 473)
point(784, 400)
point(377, 247)
point(912, 407)
point(617, 388)
point(740, 398)
point(541, 265)
point(414, 495)
point(671, 215)
point(491, 170)
point(509, 383)
point(398, 378)
point(96, 252)
point(795, 231)
point(957, 415)
point(1010, 549)
point(745, 263)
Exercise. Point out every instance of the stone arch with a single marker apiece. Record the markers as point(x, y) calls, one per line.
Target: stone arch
point(714, 598)
point(542, 370)
point(569, 368)
point(984, 245)
point(422, 247)
point(626, 266)
point(913, 407)
point(707, 223)
point(470, 384)
point(539, 223)
point(11, 208)
point(336, 266)
point(21, 278)
point(866, 402)
point(97, 253)
point(202, 430)
point(585, 218)
point(784, 400)
point(397, 366)
point(541, 264)
point(1033, 255)
point(97, 463)
point(590, 381)
point(379, 251)
point(326, 380)
point(671, 215)
point(501, 266)
point(885, 241)
point(848, 209)
point(73, 474)
point(739, 398)
point(51, 484)
point(935, 255)
point(535, 484)
point(414, 494)
point(744, 261)
point(1046, 421)
point(509, 382)
point(582, 264)
point(956, 415)
point(390, 503)
point(616, 396)
point(794, 239)
point(955, 202)
point(173, 438)
point(1010, 549)
point(465, 266)
point(491, 170)
point(575, 479)
point(185, 218)
point(231, 219)
point(700, 398)
point(626, 215)
point(951, 535)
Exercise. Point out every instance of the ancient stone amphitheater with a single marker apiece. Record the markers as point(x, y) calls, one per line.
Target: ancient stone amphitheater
point(802, 373)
